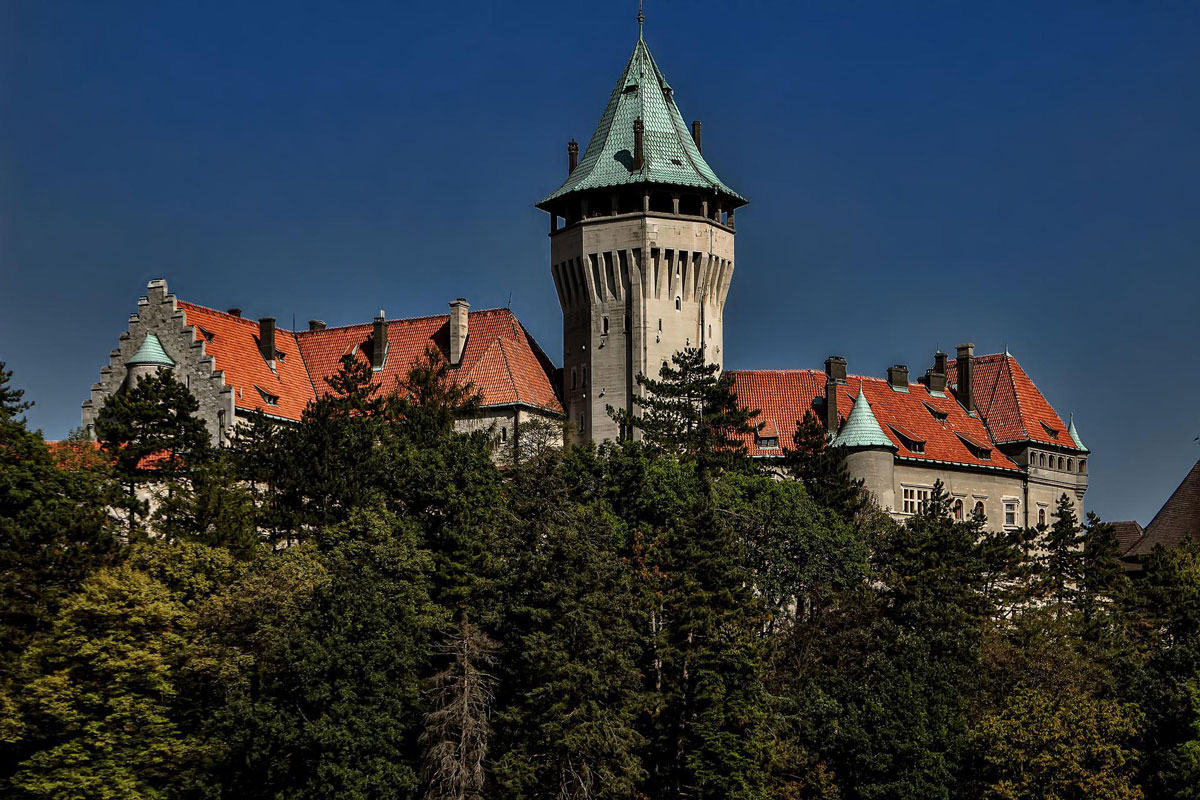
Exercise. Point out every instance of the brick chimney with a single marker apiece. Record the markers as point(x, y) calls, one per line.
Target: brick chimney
point(965, 366)
point(898, 377)
point(316, 324)
point(458, 329)
point(572, 156)
point(639, 149)
point(266, 340)
point(234, 312)
point(935, 376)
point(379, 342)
point(696, 134)
point(835, 375)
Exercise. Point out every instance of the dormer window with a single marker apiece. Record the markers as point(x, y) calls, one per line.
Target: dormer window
point(280, 355)
point(1051, 432)
point(978, 449)
point(911, 441)
point(267, 397)
point(940, 416)
point(207, 334)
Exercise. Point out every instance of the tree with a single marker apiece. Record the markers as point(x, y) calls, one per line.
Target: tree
point(689, 411)
point(152, 434)
point(822, 469)
point(54, 527)
point(458, 731)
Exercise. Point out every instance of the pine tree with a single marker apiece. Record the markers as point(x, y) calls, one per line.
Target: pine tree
point(822, 470)
point(691, 412)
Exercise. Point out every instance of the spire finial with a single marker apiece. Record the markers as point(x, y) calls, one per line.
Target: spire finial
point(641, 18)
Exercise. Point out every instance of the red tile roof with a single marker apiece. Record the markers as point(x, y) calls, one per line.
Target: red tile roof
point(501, 359)
point(234, 348)
point(783, 397)
point(1010, 404)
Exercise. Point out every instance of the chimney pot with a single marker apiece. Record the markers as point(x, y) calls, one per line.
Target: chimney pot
point(266, 339)
point(572, 156)
point(379, 342)
point(458, 329)
point(965, 367)
point(316, 324)
point(898, 376)
point(234, 312)
point(835, 368)
point(831, 409)
point(696, 135)
point(935, 376)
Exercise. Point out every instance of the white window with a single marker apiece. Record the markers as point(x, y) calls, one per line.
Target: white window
point(915, 500)
point(1010, 513)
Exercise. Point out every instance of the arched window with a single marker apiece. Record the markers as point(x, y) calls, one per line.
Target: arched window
point(678, 304)
point(582, 421)
point(1041, 516)
point(660, 324)
point(584, 381)
point(604, 323)
point(1083, 466)
point(979, 508)
point(1060, 462)
point(958, 509)
point(1042, 460)
point(1070, 465)
point(504, 434)
point(664, 365)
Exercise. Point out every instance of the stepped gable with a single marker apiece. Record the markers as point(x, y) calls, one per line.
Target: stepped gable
point(1011, 405)
point(500, 358)
point(1177, 520)
point(921, 426)
point(233, 343)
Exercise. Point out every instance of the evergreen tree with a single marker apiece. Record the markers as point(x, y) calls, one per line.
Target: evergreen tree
point(822, 470)
point(691, 412)
point(152, 435)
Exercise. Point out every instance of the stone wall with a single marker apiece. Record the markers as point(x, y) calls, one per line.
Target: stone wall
point(158, 313)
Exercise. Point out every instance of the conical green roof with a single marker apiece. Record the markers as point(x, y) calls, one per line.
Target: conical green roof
point(1075, 435)
point(151, 352)
point(861, 428)
point(670, 155)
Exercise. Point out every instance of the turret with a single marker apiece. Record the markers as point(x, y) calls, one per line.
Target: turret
point(868, 451)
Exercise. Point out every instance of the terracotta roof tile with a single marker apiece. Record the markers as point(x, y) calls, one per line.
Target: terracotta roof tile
point(785, 396)
point(234, 348)
point(1178, 519)
point(1010, 404)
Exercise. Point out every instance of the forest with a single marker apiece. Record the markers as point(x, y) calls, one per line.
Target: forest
point(368, 604)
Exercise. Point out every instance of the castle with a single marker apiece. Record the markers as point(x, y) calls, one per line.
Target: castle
point(642, 254)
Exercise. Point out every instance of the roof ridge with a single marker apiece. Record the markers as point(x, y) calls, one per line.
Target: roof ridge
point(1016, 395)
point(227, 315)
point(421, 318)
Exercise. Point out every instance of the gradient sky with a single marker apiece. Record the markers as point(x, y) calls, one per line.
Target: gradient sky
point(1020, 173)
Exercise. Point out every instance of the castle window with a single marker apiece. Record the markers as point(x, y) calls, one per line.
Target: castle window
point(1010, 513)
point(1041, 459)
point(604, 325)
point(664, 366)
point(710, 331)
point(1061, 465)
point(583, 382)
point(660, 324)
point(979, 508)
point(1041, 516)
point(958, 509)
point(1070, 465)
point(678, 304)
point(582, 421)
point(504, 434)
point(915, 500)
point(1083, 466)
point(574, 378)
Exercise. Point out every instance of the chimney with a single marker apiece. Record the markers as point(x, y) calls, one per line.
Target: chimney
point(316, 324)
point(898, 377)
point(696, 134)
point(639, 153)
point(935, 376)
point(266, 339)
point(572, 156)
point(458, 329)
point(379, 342)
point(234, 312)
point(835, 375)
point(965, 366)
point(835, 367)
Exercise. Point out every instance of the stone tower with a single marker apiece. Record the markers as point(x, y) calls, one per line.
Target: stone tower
point(643, 256)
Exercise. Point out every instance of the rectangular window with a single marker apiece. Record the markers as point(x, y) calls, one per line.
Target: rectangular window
point(915, 500)
point(1010, 513)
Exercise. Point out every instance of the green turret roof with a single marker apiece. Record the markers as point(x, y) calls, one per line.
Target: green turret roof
point(151, 352)
point(670, 155)
point(1075, 435)
point(861, 428)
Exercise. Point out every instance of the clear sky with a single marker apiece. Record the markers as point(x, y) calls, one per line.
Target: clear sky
point(1020, 173)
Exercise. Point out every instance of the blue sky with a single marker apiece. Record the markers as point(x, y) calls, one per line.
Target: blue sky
point(919, 174)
